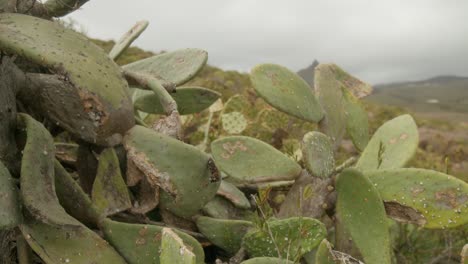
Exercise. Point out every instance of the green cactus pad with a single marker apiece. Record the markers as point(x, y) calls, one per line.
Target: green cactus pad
point(95, 104)
point(110, 194)
point(266, 260)
point(233, 194)
point(73, 199)
point(221, 208)
point(317, 153)
point(293, 237)
point(37, 174)
point(76, 244)
point(392, 145)
point(10, 211)
point(324, 254)
point(328, 92)
point(171, 68)
point(173, 249)
point(357, 123)
point(286, 91)
point(361, 212)
point(142, 243)
point(126, 40)
point(189, 100)
point(224, 233)
point(249, 160)
point(441, 200)
point(186, 174)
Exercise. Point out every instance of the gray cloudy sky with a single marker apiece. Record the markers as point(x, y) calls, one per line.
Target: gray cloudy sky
point(376, 40)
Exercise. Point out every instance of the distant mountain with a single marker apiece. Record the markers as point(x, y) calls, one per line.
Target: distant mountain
point(438, 94)
point(308, 73)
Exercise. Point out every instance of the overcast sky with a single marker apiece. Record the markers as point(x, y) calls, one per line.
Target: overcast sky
point(376, 40)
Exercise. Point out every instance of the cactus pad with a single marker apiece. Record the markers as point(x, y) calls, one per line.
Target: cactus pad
point(173, 249)
point(233, 194)
point(110, 194)
point(330, 96)
point(250, 160)
point(224, 233)
point(361, 212)
point(171, 68)
point(73, 199)
point(37, 174)
point(76, 244)
point(126, 40)
point(189, 100)
point(234, 122)
point(391, 146)
point(142, 243)
point(187, 186)
point(293, 237)
point(441, 200)
point(95, 87)
point(317, 153)
point(10, 212)
point(357, 123)
point(286, 91)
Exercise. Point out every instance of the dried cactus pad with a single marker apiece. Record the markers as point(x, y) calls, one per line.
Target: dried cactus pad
point(172, 68)
point(247, 159)
point(293, 237)
point(185, 173)
point(286, 91)
point(224, 233)
point(140, 244)
point(438, 200)
point(362, 213)
point(317, 153)
point(10, 212)
point(105, 110)
point(189, 100)
point(391, 146)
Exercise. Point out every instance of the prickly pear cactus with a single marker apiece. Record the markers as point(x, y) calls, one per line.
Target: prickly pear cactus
point(187, 188)
point(286, 91)
point(87, 96)
point(37, 175)
point(391, 146)
point(362, 214)
point(250, 160)
point(291, 237)
point(318, 154)
point(173, 249)
point(189, 100)
point(172, 68)
point(428, 198)
point(224, 233)
point(142, 243)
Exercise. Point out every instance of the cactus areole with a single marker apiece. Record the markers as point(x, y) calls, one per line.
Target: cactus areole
point(96, 90)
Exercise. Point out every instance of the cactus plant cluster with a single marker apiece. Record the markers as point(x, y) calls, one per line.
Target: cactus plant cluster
point(94, 169)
